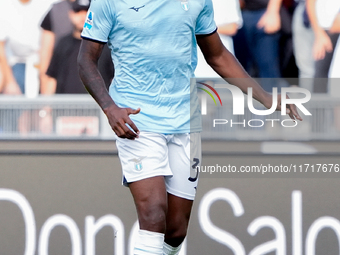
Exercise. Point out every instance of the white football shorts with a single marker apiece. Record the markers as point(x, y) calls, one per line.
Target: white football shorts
point(174, 156)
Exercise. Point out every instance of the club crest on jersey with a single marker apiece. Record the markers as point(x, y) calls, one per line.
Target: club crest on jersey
point(185, 5)
point(89, 21)
point(138, 163)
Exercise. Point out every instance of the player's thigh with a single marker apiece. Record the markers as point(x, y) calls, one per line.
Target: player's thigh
point(179, 210)
point(177, 219)
point(150, 198)
point(149, 192)
point(184, 157)
point(144, 157)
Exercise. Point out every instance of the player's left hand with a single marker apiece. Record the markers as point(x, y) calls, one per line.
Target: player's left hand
point(290, 109)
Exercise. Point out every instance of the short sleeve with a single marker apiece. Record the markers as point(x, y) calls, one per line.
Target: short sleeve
point(3, 33)
point(46, 24)
point(55, 63)
point(99, 21)
point(205, 23)
point(227, 11)
point(4, 22)
point(326, 11)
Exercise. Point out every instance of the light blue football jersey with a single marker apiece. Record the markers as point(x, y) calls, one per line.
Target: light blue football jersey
point(154, 51)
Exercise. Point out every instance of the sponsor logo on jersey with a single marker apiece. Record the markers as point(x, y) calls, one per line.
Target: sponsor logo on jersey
point(185, 5)
point(136, 8)
point(89, 20)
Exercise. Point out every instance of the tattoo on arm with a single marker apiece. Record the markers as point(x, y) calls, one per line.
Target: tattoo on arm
point(89, 54)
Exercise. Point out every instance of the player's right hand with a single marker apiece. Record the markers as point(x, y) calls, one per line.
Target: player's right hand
point(118, 118)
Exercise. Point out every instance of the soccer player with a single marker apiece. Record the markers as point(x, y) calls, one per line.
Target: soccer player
point(151, 106)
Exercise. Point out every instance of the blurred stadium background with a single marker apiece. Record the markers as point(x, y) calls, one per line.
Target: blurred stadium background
point(61, 193)
point(60, 176)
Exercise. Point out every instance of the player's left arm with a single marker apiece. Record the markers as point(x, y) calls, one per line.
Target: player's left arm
point(227, 66)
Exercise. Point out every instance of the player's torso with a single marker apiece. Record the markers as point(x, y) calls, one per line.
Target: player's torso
point(152, 43)
point(154, 52)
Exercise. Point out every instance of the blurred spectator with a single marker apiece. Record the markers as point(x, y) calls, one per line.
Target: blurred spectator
point(9, 82)
point(261, 29)
point(322, 14)
point(1, 81)
point(20, 34)
point(228, 18)
point(55, 25)
point(303, 38)
point(287, 59)
point(334, 72)
point(63, 71)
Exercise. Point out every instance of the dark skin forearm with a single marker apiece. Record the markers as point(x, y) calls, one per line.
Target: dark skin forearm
point(236, 75)
point(88, 71)
point(227, 66)
point(89, 54)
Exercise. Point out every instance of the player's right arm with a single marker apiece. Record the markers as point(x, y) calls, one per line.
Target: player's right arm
point(89, 54)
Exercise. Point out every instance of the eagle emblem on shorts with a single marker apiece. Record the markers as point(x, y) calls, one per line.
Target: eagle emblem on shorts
point(185, 5)
point(138, 162)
